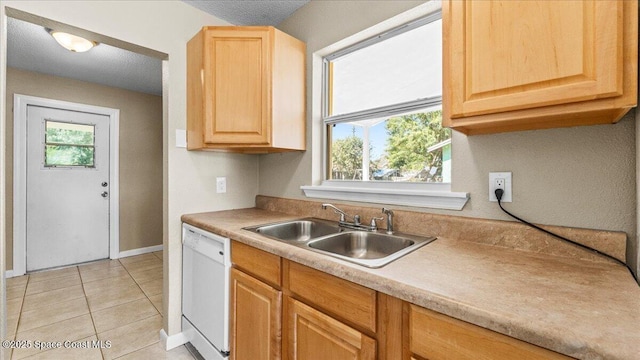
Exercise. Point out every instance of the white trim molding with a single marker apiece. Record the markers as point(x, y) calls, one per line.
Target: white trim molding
point(20, 103)
point(431, 195)
point(140, 251)
point(424, 195)
point(173, 341)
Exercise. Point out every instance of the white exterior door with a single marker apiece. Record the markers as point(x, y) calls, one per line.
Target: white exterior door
point(67, 208)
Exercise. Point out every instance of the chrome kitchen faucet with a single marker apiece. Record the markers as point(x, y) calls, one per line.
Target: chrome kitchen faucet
point(356, 224)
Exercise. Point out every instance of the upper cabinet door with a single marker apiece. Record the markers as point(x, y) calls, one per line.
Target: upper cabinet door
point(511, 65)
point(237, 84)
point(246, 90)
point(510, 55)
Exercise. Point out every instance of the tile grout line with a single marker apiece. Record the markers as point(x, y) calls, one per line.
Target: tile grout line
point(82, 283)
point(85, 296)
point(20, 318)
point(107, 278)
point(93, 323)
point(138, 284)
point(91, 311)
point(147, 297)
point(22, 311)
point(48, 290)
point(15, 332)
point(162, 267)
point(24, 295)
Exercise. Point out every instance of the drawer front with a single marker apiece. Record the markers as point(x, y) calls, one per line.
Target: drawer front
point(261, 264)
point(435, 336)
point(343, 299)
point(314, 335)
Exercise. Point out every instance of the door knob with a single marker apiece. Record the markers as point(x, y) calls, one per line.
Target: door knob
point(104, 184)
point(104, 194)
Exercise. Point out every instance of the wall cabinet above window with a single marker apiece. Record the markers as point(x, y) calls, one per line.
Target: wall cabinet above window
point(245, 90)
point(522, 65)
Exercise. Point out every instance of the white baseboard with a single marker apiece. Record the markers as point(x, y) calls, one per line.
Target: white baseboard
point(139, 251)
point(173, 341)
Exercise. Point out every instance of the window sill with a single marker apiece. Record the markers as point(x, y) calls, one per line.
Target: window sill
point(432, 195)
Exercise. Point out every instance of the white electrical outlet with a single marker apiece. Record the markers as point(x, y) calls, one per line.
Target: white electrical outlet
point(221, 185)
point(500, 180)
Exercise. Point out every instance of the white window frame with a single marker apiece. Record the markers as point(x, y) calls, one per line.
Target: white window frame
point(429, 195)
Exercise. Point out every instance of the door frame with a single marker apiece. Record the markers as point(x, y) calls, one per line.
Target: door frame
point(20, 103)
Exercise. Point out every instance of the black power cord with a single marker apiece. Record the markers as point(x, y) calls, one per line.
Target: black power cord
point(500, 192)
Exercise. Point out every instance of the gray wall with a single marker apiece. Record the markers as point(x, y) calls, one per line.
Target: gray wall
point(578, 177)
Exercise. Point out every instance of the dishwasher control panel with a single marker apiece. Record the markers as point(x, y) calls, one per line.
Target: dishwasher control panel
point(211, 245)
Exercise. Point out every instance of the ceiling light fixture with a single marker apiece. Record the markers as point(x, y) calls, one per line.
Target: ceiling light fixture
point(72, 42)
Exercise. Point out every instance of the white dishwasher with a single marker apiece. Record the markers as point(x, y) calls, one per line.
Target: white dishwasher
point(205, 291)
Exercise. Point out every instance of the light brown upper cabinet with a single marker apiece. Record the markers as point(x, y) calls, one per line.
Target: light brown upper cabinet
point(245, 90)
point(520, 65)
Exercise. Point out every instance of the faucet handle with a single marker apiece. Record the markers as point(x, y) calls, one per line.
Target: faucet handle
point(373, 224)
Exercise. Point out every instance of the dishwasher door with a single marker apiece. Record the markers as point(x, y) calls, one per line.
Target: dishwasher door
point(205, 285)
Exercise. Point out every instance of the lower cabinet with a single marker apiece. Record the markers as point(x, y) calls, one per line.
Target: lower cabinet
point(312, 335)
point(256, 318)
point(284, 310)
point(435, 336)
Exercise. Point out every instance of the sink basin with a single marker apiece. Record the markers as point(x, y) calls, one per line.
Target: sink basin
point(297, 230)
point(371, 249)
point(362, 245)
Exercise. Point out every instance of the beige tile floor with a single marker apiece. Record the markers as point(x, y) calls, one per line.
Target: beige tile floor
point(113, 301)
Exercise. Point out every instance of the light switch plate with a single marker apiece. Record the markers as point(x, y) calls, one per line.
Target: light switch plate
point(181, 138)
point(221, 185)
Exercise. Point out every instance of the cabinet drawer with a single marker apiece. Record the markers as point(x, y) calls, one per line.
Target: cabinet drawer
point(435, 336)
point(261, 264)
point(343, 299)
point(314, 335)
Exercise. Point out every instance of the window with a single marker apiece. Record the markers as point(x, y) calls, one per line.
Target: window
point(382, 107)
point(381, 136)
point(69, 145)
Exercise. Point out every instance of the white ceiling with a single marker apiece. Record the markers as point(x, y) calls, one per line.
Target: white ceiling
point(249, 12)
point(30, 47)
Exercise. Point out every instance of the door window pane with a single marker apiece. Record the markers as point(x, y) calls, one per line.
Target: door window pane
point(69, 145)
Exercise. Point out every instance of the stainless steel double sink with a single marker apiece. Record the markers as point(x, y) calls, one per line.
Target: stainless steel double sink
point(372, 249)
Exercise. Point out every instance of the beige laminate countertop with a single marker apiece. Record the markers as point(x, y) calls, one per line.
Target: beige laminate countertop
point(583, 309)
